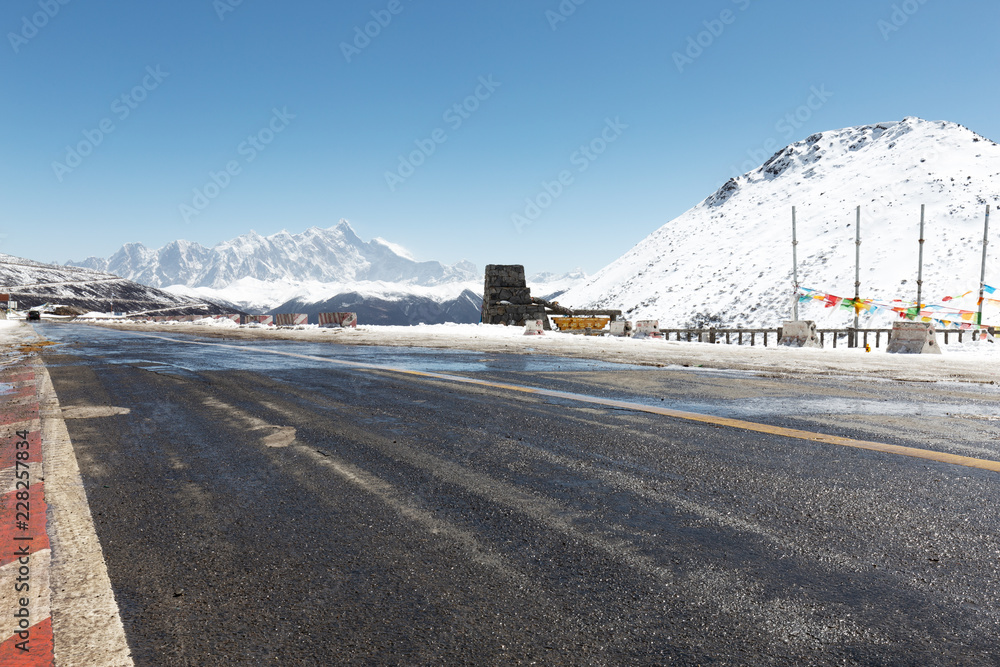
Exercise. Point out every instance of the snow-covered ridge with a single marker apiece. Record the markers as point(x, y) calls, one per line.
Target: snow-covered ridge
point(728, 260)
point(334, 255)
point(33, 283)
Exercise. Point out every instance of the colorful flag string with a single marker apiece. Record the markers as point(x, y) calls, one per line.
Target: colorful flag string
point(941, 315)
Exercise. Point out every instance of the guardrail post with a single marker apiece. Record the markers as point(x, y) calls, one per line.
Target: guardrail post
point(765, 338)
point(711, 335)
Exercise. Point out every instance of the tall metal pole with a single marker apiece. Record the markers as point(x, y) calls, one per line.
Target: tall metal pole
point(982, 274)
point(920, 270)
point(795, 271)
point(857, 273)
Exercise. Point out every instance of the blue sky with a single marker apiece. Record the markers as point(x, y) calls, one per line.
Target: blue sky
point(552, 134)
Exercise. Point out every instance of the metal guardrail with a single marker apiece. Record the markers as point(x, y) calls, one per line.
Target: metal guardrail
point(713, 335)
point(849, 337)
point(855, 337)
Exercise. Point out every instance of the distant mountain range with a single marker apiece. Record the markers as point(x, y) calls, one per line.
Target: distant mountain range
point(334, 255)
point(319, 270)
point(728, 260)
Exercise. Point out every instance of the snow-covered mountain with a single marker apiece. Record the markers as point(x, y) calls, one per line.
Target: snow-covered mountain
point(728, 260)
point(33, 284)
point(335, 255)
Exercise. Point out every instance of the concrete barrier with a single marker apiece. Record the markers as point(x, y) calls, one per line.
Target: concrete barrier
point(913, 338)
point(620, 328)
point(647, 329)
point(799, 333)
point(344, 320)
point(534, 328)
point(290, 319)
point(260, 319)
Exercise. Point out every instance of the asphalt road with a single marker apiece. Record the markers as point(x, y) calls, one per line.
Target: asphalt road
point(261, 509)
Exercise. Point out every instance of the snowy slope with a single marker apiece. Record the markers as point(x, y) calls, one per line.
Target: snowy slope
point(728, 260)
point(323, 255)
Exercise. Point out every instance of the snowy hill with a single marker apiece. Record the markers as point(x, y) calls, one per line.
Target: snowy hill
point(728, 260)
point(33, 283)
point(335, 255)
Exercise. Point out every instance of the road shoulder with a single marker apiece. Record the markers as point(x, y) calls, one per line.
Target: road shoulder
point(83, 624)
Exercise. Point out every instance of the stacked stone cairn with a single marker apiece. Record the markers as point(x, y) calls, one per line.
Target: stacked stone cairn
point(507, 297)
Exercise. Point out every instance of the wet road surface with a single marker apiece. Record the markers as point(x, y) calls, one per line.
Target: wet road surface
point(262, 509)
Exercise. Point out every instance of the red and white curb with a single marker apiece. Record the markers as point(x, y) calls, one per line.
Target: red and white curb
point(57, 607)
point(25, 556)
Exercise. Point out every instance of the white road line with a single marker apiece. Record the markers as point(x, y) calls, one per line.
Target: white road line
point(85, 622)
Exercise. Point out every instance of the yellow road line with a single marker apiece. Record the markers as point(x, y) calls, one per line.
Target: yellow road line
point(912, 452)
point(798, 434)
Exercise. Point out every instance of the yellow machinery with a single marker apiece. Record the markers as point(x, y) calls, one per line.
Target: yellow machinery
point(590, 326)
